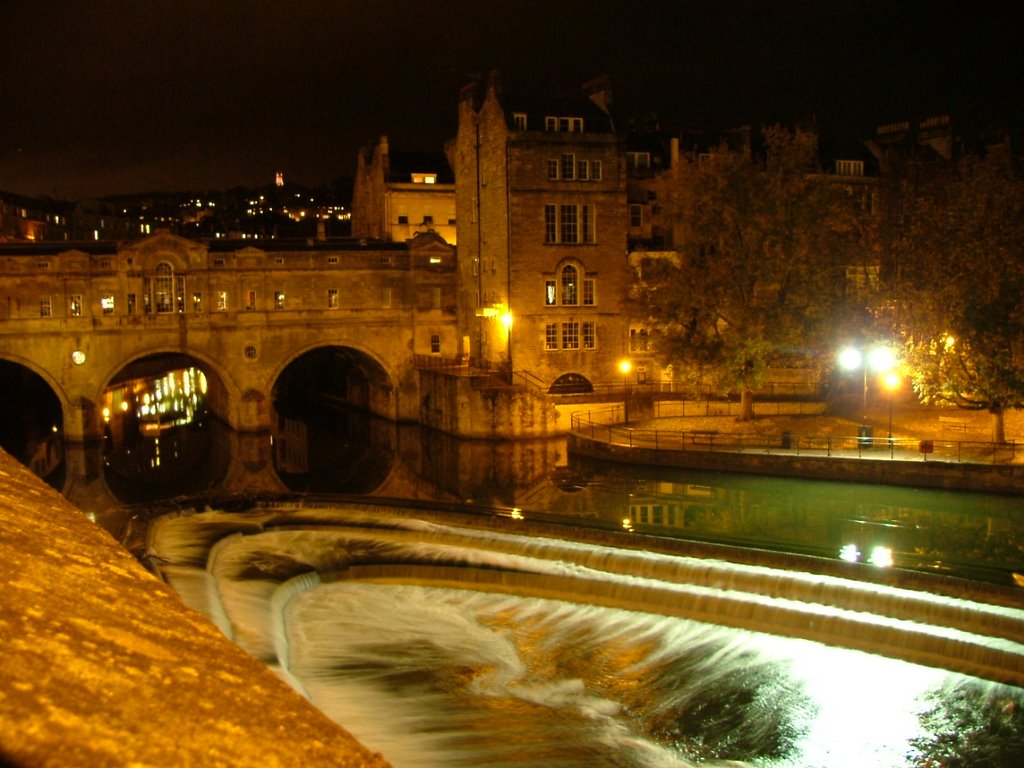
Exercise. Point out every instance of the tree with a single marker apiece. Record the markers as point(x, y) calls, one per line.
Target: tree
point(955, 280)
point(762, 241)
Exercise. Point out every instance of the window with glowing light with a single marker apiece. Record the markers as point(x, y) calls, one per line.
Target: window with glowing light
point(332, 298)
point(570, 281)
point(570, 335)
point(550, 293)
point(278, 299)
point(551, 336)
point(107, 304)
point(75, 305)
point(163, 288)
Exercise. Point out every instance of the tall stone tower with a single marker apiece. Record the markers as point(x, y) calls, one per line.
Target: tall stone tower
point(542, 217)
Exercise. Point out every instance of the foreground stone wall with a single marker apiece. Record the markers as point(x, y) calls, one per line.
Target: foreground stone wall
point(103, 665)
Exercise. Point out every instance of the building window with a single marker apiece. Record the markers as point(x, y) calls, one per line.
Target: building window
point(435, 344)
point(250, 300)
point(519, 119)
point(568, 168)
point(550, 298)
point(332, 259)
point(163, 288)
point(45, 307)
point(551, 336)
point(589, 336)
point(75, 306)
point(571, 335)
point(428, 219)
point(550, 123)
point(595, 170)
point(850, 167)
point(569, 223)
point(332, 298)
point(583, 170)
point(197, 302)
point(278, 299)
point(218, 262)
point(403, 219)
point(250, 352)
point(587, 223)
point(588, 292)
point(131, 303)
point(552, 170)
point(107, 304)
point(550, 224)
point(636, 216)
point(639, 341)
point(222, 301)
point(640, 161)
point(570, 276)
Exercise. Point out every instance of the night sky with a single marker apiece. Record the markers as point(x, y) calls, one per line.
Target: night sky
point(102, 97)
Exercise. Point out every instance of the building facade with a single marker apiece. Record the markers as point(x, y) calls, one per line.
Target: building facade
point(398, 195)
point(541, 205)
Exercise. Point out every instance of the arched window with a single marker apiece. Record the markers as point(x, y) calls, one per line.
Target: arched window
point(163, 288)
point(571, 384)
point(570, 285)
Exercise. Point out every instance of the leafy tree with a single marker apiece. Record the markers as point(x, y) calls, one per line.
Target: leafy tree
point(762, 241)
point(955, 281)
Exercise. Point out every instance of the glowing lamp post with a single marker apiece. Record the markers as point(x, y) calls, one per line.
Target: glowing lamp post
point(625, 368)
point(878, 359)
point(891, 381)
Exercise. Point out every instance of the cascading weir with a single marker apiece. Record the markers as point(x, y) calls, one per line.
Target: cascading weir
point(384, 545)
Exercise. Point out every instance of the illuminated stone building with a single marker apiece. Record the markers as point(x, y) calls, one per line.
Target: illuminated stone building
point(541, 205)
point(398, 195)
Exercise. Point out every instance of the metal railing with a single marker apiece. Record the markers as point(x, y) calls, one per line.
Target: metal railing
point(606, 426)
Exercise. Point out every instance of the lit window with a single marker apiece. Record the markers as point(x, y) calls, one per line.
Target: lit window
point(75, 305)
point(570, 335)
point(163, 288)
point(589, 336)
point(569, 285)
point(549, 293)
point(278, 299)
point(222, 301)
point(551, 336)
point(332, 298)
point(197, 302)
point(107, 304)
point(45, 307)
point(424, 178)
point(131, 303)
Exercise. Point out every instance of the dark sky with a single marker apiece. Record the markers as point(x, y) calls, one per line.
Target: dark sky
point(101, 97)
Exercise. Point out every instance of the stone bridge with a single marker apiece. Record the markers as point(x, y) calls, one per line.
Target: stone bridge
point(84, 316)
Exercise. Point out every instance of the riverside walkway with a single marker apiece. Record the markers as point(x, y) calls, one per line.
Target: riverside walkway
point(936, 448)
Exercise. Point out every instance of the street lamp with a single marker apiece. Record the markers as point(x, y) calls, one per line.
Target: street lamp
point(891, 381)
point(625, 368)
point(879, 359)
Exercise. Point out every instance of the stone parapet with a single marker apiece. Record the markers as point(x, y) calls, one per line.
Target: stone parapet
point(104, 665)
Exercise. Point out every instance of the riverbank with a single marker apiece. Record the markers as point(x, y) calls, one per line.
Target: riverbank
point(929, 447)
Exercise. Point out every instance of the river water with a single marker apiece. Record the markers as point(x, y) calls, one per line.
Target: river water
point(458, 630)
